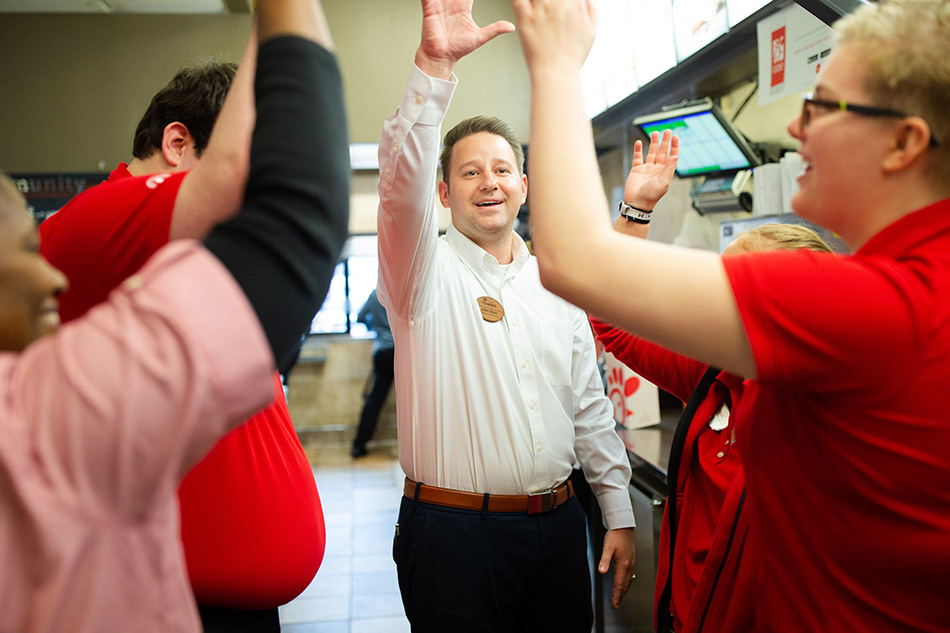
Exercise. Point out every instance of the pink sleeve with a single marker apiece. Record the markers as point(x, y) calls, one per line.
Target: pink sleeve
point(122, 402)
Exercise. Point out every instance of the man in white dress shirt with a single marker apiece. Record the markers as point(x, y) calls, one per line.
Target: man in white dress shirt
point(498, 392)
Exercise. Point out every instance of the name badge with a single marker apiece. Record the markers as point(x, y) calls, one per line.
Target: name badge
point(490, 308)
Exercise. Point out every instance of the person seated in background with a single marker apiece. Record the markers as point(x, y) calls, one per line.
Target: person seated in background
point(843, 423)
point(103, 419)
point(251, 519)
point(373, 315)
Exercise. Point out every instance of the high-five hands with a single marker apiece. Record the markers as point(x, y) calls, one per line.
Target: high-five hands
point(555, 34)
point(649, 178)
point(449, 33)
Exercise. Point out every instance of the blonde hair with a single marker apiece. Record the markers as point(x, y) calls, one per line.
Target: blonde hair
point(784, 237)
point(905, 47)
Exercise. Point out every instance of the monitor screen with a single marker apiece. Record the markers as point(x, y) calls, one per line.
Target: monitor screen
point(709, 143)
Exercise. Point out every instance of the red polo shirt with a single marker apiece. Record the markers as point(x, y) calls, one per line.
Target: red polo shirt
point(708, 465)
point(252, 523)
point(846, 446)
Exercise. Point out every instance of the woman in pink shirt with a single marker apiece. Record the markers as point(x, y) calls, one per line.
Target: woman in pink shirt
point(101, 420)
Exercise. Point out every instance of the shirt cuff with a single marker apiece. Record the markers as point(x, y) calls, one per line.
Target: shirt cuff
point(426, 99)
point(617, 509)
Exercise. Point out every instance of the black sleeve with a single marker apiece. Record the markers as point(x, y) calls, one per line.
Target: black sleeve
point(283, 245)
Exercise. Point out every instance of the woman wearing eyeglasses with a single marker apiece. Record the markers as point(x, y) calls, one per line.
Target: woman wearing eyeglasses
point(844, 423)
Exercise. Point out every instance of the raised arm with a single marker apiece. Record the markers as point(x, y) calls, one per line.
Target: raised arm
point(664, 291)
point(409, 154)
point(212, 190)
point(294, 17)
point(284, 244)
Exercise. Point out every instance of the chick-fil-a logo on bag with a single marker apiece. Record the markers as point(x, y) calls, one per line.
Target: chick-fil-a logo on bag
point(778, 56)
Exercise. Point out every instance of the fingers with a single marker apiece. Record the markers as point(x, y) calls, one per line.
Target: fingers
point(521, 8)
point(606, 557)
point(670, 167)
point(665, 143)
point(654, 143)
point(557, 34)
point(638, 153)
point(660, 149)
point(623, 578)
point(621, 585)
point(490, 32)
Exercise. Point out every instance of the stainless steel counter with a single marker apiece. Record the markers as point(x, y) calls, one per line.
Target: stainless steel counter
point(648, 450)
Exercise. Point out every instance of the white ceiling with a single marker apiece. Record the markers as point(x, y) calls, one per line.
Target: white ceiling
point(125, 6)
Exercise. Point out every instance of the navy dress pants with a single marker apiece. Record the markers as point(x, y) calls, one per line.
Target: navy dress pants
point(466, 571)
point(225, 620)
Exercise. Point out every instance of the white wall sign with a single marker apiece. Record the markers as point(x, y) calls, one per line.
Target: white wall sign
point(793, 46)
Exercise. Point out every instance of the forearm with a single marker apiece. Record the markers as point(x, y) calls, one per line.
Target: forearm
point(664, 288)
point(631, 228)
point(407, 221)
point(667, 370)
point(597, 446)
point(212, 191)
point(294, 17)
point(284, 244)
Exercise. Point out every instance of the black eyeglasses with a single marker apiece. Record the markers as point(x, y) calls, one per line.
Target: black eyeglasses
point(809, 103)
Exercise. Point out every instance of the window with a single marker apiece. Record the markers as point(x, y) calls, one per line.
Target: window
point(353, 280)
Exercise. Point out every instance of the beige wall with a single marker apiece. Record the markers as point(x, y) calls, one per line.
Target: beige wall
point(74, 86)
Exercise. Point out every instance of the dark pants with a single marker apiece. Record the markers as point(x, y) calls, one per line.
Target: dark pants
point(382, 382)
point(464, 571)
point(225, 620)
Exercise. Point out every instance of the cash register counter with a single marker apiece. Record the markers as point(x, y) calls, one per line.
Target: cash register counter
point(648, 450)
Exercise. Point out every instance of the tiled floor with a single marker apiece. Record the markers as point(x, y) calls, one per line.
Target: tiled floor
point(355, 590)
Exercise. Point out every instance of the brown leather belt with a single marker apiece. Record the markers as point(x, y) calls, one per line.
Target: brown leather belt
point(532, 504)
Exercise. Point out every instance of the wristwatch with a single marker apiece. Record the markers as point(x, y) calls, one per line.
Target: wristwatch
point(633, 214)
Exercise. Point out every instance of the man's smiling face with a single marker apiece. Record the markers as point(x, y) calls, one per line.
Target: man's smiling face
point(485, 188)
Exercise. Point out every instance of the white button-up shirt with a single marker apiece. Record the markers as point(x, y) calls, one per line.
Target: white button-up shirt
point(503, 407)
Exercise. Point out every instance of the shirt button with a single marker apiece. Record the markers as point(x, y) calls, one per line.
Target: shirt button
point(524, 363)
point(539, 448)
point(720, 454)
point(394, 149)
point(514, 323)
point(420, 99)
point(531, 406)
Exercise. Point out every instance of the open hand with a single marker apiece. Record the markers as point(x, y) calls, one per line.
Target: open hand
point(649, 178)
point(555, 33)
point(449, 33)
